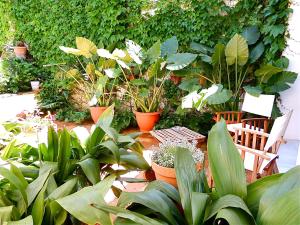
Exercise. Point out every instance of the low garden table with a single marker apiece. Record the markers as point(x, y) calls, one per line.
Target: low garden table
point(176, 134)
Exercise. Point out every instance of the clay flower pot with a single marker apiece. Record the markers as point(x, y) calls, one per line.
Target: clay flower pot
point(96, 112)
point(20, 51)
point(146, 121)
point(168, 174)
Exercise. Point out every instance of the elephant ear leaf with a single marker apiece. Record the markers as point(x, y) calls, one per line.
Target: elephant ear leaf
point(87, 48)
point(169, 47)
point(237, 51)
point(225, 162)
point(257, 52)
point(251, 34)
point(179, 61)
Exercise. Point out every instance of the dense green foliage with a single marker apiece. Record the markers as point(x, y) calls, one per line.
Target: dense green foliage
point(16, 74)
point(112, 21)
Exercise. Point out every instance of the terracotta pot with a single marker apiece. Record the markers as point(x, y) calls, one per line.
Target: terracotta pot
point(20, 52)
point(146, 121)
point(168, 174)
point(176, 80)
point(96, 112)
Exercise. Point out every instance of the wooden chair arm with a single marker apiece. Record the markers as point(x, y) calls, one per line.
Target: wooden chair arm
point(252, 151)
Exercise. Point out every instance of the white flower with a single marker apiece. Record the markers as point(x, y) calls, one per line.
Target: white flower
point(93, 101)
point(135, 51)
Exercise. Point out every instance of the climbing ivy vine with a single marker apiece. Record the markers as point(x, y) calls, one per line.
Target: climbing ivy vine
point(46, 24)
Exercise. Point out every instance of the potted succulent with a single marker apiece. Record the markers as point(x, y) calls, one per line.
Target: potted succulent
point(96, 77)
point(151, 69)
point(20, 50)
point(163, 159)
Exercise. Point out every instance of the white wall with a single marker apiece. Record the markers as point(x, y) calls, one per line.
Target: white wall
point(291, 97)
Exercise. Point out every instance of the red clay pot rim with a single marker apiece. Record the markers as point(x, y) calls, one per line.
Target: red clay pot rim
point(100, 107)
point(20, 47)
point(147, 113)
point(162, 167)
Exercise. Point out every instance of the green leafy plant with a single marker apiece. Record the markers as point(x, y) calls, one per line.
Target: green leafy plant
point(64, 166)
point(150, 69)
point(269, 200)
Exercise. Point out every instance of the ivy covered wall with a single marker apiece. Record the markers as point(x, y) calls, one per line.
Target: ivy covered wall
point(46, 24)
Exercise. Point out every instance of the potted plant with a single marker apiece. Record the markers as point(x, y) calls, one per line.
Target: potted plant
point(20, 50)
point(96, 77)
point(151, 69)
point(35, 85)
point(163, 159)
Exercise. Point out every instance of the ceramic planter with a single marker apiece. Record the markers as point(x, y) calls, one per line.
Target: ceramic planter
point(168, 174)
point(96, 112)
point(35, 85)
point(146, 121)
point(20, 52)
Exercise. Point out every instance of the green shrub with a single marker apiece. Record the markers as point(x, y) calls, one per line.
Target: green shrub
point(70, 114)
point(16, 74)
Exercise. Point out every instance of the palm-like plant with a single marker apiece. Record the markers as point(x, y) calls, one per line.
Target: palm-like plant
point(270, 200)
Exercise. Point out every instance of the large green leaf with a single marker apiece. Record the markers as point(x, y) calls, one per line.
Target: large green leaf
point(155, 200)
point(63, 190)
point(26, 221)
point(38, 207)
point(190, 85)
point(169, 47)
point(251, 34)
point(188, 181)
point(133, 160)
point(225, 162)
point(52, 145)
point(219, 54)
point(179, 61)
point(265, 72)
point(257, 52)
point(220, 97)
point(284, 210)
point(120, 212)
point(287, 183)
point(281, 82)
point(233, 216)
point(164, 187)
point(87, 48)
point(64, 154)
point(84, 198)
point(256, 189)
point(199, 203)
point(91, 169)
point(106, 117)
point(94, 139)
point(228, 201)
point(34, 187)
point(154, 52)
point(237, 51)
point(255, 91)
point(201, 48)
point(113, 147)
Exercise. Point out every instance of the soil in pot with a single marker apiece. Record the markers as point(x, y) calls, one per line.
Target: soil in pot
point(20, 52)
point(96, 112)
point(168, 174)
point(146, 121)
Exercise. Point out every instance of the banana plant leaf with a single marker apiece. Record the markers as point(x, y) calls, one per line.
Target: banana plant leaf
point(226, 165)
point(83, 199)
point(155, 200)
